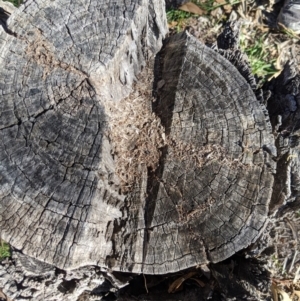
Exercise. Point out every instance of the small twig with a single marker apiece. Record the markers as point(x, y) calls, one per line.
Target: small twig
point(289, 32)
point(293, 261)
point(178, 282)
point(284, 265)
point(292, 227)
point(296, 278)
point(145, 284)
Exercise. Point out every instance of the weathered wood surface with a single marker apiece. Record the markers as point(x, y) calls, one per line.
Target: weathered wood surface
point(65, 196)
point(39, 281)
point(62, 62)
point(217, 135)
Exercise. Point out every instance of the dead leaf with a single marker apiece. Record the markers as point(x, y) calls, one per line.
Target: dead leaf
point(217, 12)
point(222, 2)
point(191, 7)
point(200, 283)
point(2, 295)
point(274, 292)
point(176, 285)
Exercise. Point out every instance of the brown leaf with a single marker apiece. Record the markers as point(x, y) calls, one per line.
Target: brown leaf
point(274, 292)
point(191, 7)
point(176, 285)
point(200, 283)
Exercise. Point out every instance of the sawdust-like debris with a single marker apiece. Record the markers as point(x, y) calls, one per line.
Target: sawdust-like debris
point(200, 156)
point(138, 138)
point(136, 132)
point(42, 52)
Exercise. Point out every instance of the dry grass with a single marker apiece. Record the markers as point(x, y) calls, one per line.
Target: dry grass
point(285, 290)
point(268, 47)
point(198, 157)
point(186, 217)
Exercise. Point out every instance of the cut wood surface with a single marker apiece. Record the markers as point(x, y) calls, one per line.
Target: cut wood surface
point(72, 191)
point(60, 63)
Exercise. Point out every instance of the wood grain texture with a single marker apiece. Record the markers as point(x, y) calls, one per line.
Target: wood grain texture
point(64, 66)
point(65, 59)
point(212, 189)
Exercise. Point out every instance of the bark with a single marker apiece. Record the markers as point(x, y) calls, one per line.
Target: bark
point(115, 161)
point(280, 239)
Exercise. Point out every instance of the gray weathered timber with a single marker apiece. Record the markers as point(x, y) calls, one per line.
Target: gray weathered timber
point(47, 284)
point(62, 61)
point(216, 180)
point(65, 67)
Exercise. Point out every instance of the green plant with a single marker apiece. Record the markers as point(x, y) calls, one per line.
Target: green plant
point(257, 50)
point(290, 33)
point(177, 15)
point(210, 5)
point(16, 3)
point(178, 18)
point(4, 250)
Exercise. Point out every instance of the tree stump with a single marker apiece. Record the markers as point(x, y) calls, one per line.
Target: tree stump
point(120, 154)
